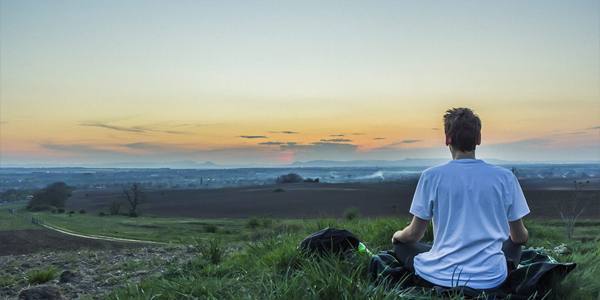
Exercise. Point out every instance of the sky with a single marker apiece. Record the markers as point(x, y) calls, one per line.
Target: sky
point(273, 82)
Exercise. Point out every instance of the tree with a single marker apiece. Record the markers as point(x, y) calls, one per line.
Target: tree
point(115, 208)
point(571, 209)
point(134, 196)
point(51, 197)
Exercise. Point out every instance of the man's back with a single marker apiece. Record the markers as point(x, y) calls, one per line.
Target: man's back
point(471, 203)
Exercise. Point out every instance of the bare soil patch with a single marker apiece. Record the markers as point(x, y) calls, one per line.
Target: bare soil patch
point(41, 240)
point(308, 200)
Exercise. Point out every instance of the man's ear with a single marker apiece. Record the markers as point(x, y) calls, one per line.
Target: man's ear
point(479, 139)
point(448, 140)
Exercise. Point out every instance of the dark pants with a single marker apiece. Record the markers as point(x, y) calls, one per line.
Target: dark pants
point(405, 253)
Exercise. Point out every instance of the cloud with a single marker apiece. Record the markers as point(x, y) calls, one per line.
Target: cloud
point(379, 138)
point(254, 137)
point(150, 146)
point(396, 145)
point(409, 141)
point(337, 135)
point(134, 129)
point(336, 140)
point(113, 127)
point(593, 128)
point(271, 143)
point(321, 150)
point(358, 133)
point(435, 128)
point(285, 132)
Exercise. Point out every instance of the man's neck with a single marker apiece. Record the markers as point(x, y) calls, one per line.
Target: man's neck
point(463, 155)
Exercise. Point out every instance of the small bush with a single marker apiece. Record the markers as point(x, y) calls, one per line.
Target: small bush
point(212, 251)
point(82, 211)
point(211, 228)
point(41, 208)
point(61, 210)
point(278, 190)
point(253, 223)
point(7, 281)
point(41, 275)
point(101, 214)
point(266, 223)
point(115, 208)
point(259, 222)
point(351, 213)
point(289, 178)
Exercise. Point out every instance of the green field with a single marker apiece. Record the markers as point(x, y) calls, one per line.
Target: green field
point(258, 258)
point(10, 221)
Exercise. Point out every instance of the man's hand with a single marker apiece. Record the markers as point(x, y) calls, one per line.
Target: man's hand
point(396, 236)
point(518, 233)
point(412, 233)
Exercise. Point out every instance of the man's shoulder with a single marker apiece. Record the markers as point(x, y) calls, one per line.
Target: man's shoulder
point(499, 169)
point(487, 168)
point(437, 169)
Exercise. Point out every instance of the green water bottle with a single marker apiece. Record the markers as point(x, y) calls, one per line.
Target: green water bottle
point(362, 249)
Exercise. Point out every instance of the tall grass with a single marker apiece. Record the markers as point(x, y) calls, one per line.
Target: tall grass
point(273, 268)
point(41, 275)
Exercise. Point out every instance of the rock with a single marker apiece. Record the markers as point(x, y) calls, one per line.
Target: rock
point(289, 178)
point(67, 276)
point(561, 249)
point(41, 292)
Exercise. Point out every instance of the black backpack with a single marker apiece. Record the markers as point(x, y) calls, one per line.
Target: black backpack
point(330, 240)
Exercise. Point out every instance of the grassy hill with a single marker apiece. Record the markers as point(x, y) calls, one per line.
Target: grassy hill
point(258, 258)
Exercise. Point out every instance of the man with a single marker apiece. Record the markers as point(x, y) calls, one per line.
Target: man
point(476, 210)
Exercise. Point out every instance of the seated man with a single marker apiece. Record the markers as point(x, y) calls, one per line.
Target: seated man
point(476, 210)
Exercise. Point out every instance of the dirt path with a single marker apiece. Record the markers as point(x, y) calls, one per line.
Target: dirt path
point(97, 237)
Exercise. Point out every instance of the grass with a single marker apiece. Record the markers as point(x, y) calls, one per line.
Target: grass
point(272, 267)
point(41, 275)
point(10, 221)
point(170, 230)
point(257, 258)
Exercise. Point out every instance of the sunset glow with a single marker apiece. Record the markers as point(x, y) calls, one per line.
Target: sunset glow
point(271, 83)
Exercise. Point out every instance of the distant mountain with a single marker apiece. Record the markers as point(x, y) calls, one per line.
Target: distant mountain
point(370, 163)
point(408, 162)
point(182, 164)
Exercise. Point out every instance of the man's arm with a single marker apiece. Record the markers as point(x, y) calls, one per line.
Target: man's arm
point(411, 233)
point(518, 232)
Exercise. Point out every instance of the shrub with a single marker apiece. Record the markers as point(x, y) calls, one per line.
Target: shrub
point(212, 251)
point(253, 223)
point(61, 210)
point(351, 213)
point(211, 228)
point(278, 190)
point(259, 222)
point(115, 208)
point(102, 214)
point(53, 196)
point(266, 222)
point(41, 275)
point(289, 178)
point(82, 211)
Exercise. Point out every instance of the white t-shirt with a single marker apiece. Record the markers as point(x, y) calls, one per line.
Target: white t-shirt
point(471, 203)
